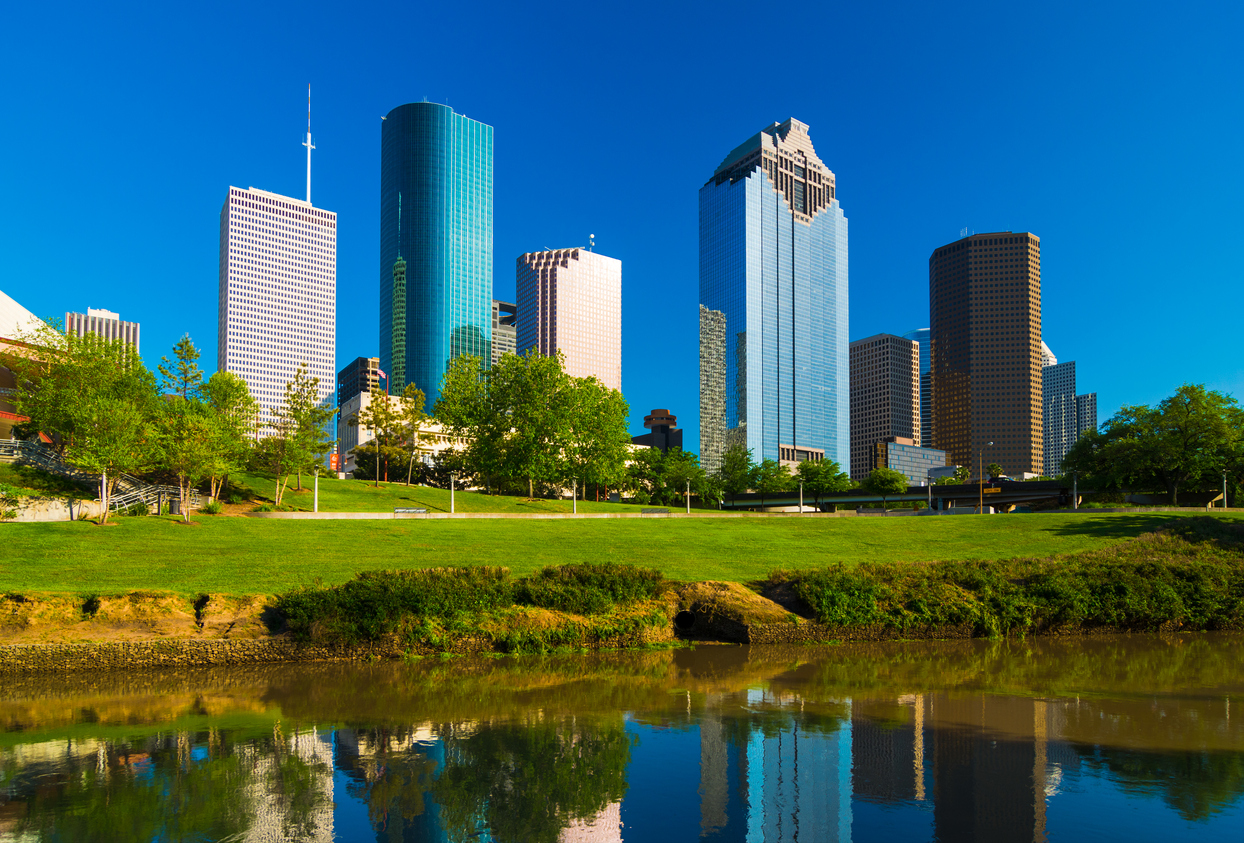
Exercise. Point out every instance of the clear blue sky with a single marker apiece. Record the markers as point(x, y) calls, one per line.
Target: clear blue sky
point(1112, 131)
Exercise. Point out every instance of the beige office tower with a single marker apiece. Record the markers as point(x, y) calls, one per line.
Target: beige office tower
point(278, 294)
point(570, 300)
point(885, 396)
point(985, 309)
point(102, 323)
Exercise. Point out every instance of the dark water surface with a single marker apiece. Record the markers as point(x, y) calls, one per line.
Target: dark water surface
point(1130, 738)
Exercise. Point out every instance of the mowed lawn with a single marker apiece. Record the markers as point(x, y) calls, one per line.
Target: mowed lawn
point(363, 496)
point(258, 556)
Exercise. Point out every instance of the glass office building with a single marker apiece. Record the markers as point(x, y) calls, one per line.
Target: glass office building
point(773, 290)
point(436, 193)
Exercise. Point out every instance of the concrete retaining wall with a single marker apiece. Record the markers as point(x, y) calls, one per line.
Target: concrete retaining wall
point(57, 509)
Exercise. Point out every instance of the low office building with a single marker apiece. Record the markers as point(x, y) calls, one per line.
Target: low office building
point(1065, 415)
point(433, 437)
point(102, 323)
point(904, 455)
point(361, 375)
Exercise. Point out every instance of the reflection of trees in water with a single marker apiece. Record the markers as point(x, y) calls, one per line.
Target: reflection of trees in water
point(1197, 785)
point(179, 787)
point(528, 781)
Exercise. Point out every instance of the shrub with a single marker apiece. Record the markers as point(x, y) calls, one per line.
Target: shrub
point(588, 589)
point(135, 509)
point(378, 603)
point(214, 507)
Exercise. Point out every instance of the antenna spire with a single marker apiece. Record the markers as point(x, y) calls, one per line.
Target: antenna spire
point(308, 143)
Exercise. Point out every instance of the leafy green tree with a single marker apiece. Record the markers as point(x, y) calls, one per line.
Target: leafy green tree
point(95, 397)
point(1187, 440)
point(737, 470)
point(771, 478)
point(962, 474)
point(384, 419)
point(645, 476)
point(9, 499)
point(413, 420)
point(306, 416)
point(822, 477)
point(182, 375)
point(994, 469)
point(682, 470)
point(598, 439)
point(885, 482)
point(187, 442)
point(235, 416)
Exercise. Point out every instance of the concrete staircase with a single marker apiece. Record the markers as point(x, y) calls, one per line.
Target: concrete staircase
point(128, 492)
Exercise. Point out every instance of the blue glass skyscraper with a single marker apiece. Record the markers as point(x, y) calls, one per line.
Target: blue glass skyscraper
point(774, 367)
point(436, 182)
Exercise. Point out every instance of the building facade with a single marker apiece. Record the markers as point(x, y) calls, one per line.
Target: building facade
point(1065, 415)
point(278, 294)
point(665, 433)
point(504, 330)
point(350, 434)
point(885, 397)
point(360, 375)
point(921, 336)
point(773, 264)
point(570, 300)
point(921, 465)
point(102, 323)
point(436, 230)
point(985, 309)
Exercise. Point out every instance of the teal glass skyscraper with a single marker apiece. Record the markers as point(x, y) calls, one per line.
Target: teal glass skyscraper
point(436, 182)
point(774, 366)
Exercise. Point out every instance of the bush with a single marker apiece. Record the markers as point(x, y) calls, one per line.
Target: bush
point(379, 603)
point(135, 509)
point(212, 508)
point(1190, 576)
point(588, 589)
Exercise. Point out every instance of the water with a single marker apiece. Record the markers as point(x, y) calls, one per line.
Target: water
point(1130, 738)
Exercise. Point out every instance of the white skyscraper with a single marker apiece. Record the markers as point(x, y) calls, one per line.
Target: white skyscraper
point(278, 293)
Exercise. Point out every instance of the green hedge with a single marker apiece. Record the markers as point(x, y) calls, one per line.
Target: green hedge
point(1190, 575)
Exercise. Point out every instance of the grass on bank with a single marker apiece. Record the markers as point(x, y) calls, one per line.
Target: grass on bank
point(257, 556)
point(362, 496)
point(30, 481)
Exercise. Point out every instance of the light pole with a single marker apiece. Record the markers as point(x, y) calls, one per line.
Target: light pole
point(574, 496)
point(452, 478)
point(1075, 490)
point(801, 497)
point(1224, 488)
point(688, 497)
point(980, 475)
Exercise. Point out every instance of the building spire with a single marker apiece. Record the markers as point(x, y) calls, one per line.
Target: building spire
point(308, 143)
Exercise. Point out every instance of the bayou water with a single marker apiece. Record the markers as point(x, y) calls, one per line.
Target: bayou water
point(1123, 738)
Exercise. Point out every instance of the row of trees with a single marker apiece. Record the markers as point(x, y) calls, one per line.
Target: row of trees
point(526, 421)
point(108, 414)
point(1188, 442)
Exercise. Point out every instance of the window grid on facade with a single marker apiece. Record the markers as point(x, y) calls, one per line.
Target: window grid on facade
point(885, 396)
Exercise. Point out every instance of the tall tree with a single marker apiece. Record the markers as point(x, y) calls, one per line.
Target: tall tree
point(1188, 439)
point(994, 469)
point(414, 421)
point(96, 399)
point(187, 444)
point(885, 482)
point(234, 416)
point(821, 477)
point(384, 419)
point(737, 469)
point(182, 376)
point(307, 417)
point(770, 477)
point(598, 439)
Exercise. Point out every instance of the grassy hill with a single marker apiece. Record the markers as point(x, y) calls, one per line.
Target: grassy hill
point(257, 556)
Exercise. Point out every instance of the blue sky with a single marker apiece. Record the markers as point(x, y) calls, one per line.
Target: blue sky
point(1114, 132)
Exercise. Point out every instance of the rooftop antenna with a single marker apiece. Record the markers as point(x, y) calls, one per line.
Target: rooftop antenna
point(591, 242)
point(308, 144)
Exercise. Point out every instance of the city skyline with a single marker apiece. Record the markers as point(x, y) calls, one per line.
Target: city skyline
point(1066, 169)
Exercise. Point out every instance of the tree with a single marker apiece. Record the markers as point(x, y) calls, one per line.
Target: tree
point(770, 478)
point(682, 470)
point(885, 482)
point(598, 438)
point(963, 473)
point(1190, 438)
point(307, 416)
point(994, 469)
point(182, 377)
point(234, 416)
point(737, 469)
point(821, 477)
point(187, 442)
point(95, 397)
point(384, 420)
point(412, 419)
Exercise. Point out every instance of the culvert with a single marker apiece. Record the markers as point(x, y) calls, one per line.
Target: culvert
point(684, 621)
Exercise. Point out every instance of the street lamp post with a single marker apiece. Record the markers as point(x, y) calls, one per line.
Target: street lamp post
point(452, 478)
point(574, 496)
point(1075, 490)
point(688, 497)
point(801, 497)
point(980, 476)
point(1224, 488)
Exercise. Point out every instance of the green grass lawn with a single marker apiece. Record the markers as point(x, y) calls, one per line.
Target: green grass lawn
point(363, 496)
point(35, 482)
point(259, 556)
